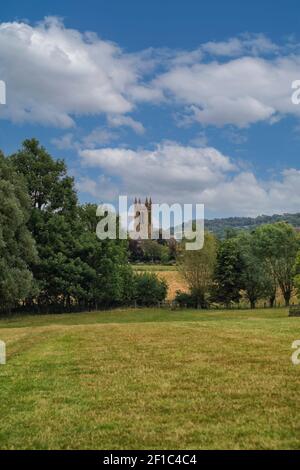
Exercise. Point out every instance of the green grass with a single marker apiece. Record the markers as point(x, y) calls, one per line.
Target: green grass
point(154, 267)
point(132, 379)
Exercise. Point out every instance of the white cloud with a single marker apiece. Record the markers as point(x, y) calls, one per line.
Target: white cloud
point(64, 142)
point(174, 173)
point(248, 44)
point(118, 120)
point(54, 73)
point(98, 136)
point(239, 91)
point(170, 169)
point(200, 140)
point(102, 189)
point(235, 137)
point(245, 195)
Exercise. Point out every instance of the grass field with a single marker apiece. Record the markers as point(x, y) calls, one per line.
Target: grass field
point(133, 379)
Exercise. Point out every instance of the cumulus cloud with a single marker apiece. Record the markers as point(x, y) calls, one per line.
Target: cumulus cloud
point(248, 44)
point(168, 169)
point(238, 91)
point(64, 142)
point(175, 173)
point(98, 136)
point(54, 73)
point(102, 189)
point(244, 194)
point(118, 120)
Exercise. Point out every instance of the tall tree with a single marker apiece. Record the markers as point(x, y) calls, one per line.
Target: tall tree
point(49, 186)
point(74, 266)
point(253, 276)
point(197, 268)
point(277, 245)
point(228, 272)
point(53, 221)
point(108, 259)
point(17, 248)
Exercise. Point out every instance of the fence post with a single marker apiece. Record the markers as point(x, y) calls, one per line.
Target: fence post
point(2, 353)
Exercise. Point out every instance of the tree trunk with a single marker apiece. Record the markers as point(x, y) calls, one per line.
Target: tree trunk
point(287, 298)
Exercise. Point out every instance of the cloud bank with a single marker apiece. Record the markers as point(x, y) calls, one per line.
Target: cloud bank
point(175, 173)
point(55, 74)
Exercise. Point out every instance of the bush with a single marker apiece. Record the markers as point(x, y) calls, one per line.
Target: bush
point(185, 299)
point(149, 289)
point(190, 300)
point(294, 311)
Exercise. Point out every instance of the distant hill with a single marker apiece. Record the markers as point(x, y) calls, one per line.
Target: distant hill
point(220, 226)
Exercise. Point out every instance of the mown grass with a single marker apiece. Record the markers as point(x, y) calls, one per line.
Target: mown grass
point(133, 379)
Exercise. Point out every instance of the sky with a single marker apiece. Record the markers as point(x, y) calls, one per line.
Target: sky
point(184, 101)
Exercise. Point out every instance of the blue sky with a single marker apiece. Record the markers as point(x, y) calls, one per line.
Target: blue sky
point(186, 101)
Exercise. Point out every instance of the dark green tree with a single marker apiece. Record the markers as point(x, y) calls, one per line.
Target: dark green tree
point(228, 273)
point(277, 245)
point(53, 222)
point(108, 259)
point(49, 186)
point(253, 277)
point(75, 268)
point(17, 247)
point(149, 289)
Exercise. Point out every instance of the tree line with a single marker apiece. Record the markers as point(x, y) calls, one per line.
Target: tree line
point(255, 265)
point(51, 259)
point(221, 227)
point(50, 256)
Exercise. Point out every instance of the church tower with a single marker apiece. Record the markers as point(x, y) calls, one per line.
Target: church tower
point(144, 211)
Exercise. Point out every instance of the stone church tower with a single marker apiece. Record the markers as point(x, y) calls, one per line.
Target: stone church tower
point(144, 212)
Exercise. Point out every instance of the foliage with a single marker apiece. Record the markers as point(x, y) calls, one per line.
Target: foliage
point(149, 289)
point(186, 299)
point(153, 251)
point(17, 248)
point(257, 262)
point(48, 184)
point(221, 227)
point(277, 245)
point(51, 258)
point(297, 273)
point(253, 276)
point(228, 273)
point(75, 268)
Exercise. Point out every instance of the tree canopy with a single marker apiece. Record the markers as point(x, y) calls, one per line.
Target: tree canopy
point(17, 247)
